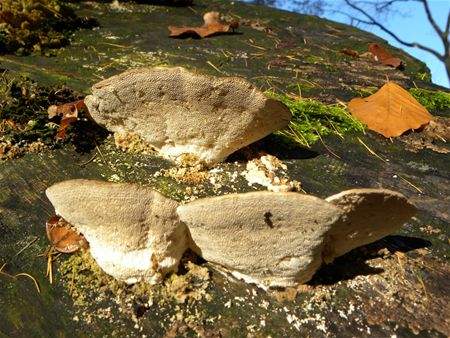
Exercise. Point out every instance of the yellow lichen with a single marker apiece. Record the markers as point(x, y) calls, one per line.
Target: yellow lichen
point(133, 143)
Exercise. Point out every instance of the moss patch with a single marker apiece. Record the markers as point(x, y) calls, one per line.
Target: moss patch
point(37, 26)
point(435, 101)
point(312, 120)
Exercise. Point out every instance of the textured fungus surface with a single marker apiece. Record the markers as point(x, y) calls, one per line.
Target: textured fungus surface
point(133, 231)
point(187, 116)
point(281, 239)
point(271, 239)
point(369, 214)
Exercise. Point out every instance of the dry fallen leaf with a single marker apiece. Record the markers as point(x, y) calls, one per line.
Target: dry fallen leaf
point(210, 26)
point(62, 236)
point(390, 111)
point(383, 56)
point(69, 113)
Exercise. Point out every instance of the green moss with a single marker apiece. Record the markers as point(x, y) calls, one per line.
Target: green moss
point(364, 91)
point(315, 59)
point(312, 120)
point(302, 88)
point(423, 76)
point(434, 101)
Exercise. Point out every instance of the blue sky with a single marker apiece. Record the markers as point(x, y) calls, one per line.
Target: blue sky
point(412, 26)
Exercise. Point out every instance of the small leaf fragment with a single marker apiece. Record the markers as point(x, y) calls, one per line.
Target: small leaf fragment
point(391, 111)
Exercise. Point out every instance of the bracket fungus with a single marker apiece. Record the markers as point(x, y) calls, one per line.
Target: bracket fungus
point(369, 215)
point(271, 239)
point(188, 117)
point(281, 239)
point(132, 230)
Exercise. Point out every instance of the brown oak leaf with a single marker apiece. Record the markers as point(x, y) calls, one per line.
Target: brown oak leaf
point(63, 237)
point(382, 55)
point(211, 25)
point(69, 113)
point(391, 111)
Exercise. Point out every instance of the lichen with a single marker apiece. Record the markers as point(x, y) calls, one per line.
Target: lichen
point(190, 286)
point(133, 143)
point(85, 280)
point(312, 120)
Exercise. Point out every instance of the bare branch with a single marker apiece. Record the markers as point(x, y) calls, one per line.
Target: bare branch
point(447, 27)
point(431, 19)
point(384, 5)
point(372, 21)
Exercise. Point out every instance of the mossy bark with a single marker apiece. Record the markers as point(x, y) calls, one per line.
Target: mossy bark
point(395, 286)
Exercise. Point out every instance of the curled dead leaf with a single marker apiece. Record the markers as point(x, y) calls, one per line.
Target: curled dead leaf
point(391, 111)
point(382, 55)
point(69, 113)
point(211, 25)
point(63, 237)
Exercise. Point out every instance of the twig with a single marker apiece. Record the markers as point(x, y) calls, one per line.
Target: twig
point(419, 278)
point(297, 136)
point(326, 147)
point(192, 9)
point(100, 152)
point(380, 158)
point(412, 185)
point(114, 45)
point(213, 66)
point(371, 151)
point(25, 247)
point(32, 278)
point(20, 274)
point(255, 46)
point(88, 161)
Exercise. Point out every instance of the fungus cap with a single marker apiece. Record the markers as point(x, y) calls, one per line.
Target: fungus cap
point(188, 117)
point(133, 231)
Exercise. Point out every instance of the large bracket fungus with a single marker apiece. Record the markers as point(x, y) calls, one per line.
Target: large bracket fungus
point(133, 231)
point(271, 239)
point(186, 116)
point(267, 238)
